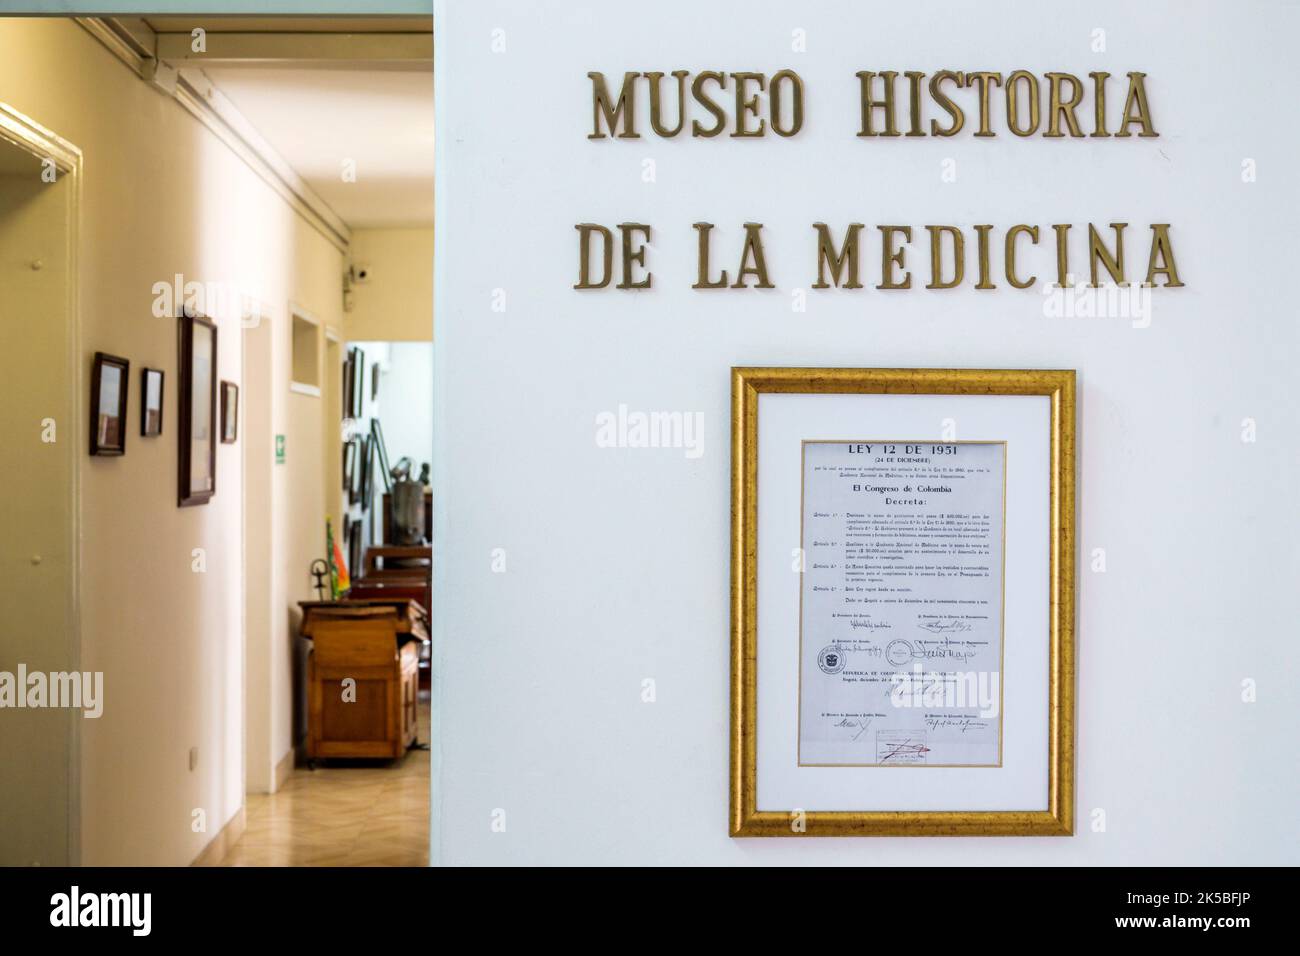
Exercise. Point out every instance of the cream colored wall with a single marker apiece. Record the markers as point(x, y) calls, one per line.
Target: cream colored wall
point(396, 303)
point(36, 553)
point(163, 196)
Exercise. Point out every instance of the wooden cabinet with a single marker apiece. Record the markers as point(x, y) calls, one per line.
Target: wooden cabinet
point(362, 683)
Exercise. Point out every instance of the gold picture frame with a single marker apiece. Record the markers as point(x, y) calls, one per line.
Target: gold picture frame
point(746, 820)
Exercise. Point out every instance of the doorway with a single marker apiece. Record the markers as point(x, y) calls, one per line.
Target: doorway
point(42, 433)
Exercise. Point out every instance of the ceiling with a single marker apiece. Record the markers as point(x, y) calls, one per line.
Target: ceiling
point(326, 91)
point(319, 118)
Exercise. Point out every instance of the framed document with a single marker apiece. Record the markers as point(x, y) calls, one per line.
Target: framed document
point(902, 602)
point(197, 421)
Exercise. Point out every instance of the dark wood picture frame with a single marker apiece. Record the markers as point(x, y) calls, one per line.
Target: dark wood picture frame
point(229, 413)
point(187, 494)
point(349, 377)
point(358, 387)
point(350, 451)
point(360, 478)
point(146, 374)
point(101, 442)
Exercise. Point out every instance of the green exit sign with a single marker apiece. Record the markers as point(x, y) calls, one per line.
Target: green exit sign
point(279, 449)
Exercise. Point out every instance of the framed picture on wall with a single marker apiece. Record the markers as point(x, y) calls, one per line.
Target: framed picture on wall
point(358, 386)
point(354, 549)
point(381, 448)
point(358, 476)
point(229, 412)
point(108, 388)
point(151, 402)
point(902, 602)
point(348, 377)
point(349, 465)
point(365, 458)
point(197, 426)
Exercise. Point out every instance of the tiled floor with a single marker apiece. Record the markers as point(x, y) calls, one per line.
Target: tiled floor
point(350, 814)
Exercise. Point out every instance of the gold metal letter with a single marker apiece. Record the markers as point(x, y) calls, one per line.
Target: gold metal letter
point(1162, 246)
point(1013, 110)
point(697, 90)
point(890, 257)
point(982, 242)
point(656, 112)
point(796, 102)
point(1099, 79)
point(953, 110)
point(753, 251)
point(585, 232)
point(1137, 97)
point(1062, 254)
point(984, 81)
point(1010, 255)
point(702, 280)
point(628, 229)
point(886, 103)
point(748, 106)
point(622, 111)
point(936, 257)
point(1058, 107)
point(1097, 252)
point(828, 256)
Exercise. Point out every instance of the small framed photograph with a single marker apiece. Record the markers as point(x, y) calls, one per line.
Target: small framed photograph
point(349, 377)
point(365, 479)
point(108, 388)
point(358, 386)
point(151, 402)
point(197, 425)
point(902, 602)
point(229, 413)
point(356, 477)
point(349, 465)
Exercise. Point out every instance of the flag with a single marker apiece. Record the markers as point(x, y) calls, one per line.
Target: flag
point(339, 581)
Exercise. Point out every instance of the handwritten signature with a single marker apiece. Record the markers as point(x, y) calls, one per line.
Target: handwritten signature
point(862, 725)
point(944, 627)
point(964, 723)
point(906, 748)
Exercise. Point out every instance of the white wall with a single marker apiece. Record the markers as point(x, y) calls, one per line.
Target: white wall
point(405, 403)
point(618, 559)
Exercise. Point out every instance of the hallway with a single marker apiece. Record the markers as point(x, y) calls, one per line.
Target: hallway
point(216, 246)
point(343, 814)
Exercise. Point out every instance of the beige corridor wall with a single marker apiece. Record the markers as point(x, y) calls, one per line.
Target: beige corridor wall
point(163, 196)
point(395, 302)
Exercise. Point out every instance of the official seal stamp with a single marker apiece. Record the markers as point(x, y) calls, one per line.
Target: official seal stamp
point(899, 652)
point(831, 659)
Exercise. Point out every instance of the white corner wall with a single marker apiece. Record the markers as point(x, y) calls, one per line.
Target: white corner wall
point(617, 559)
